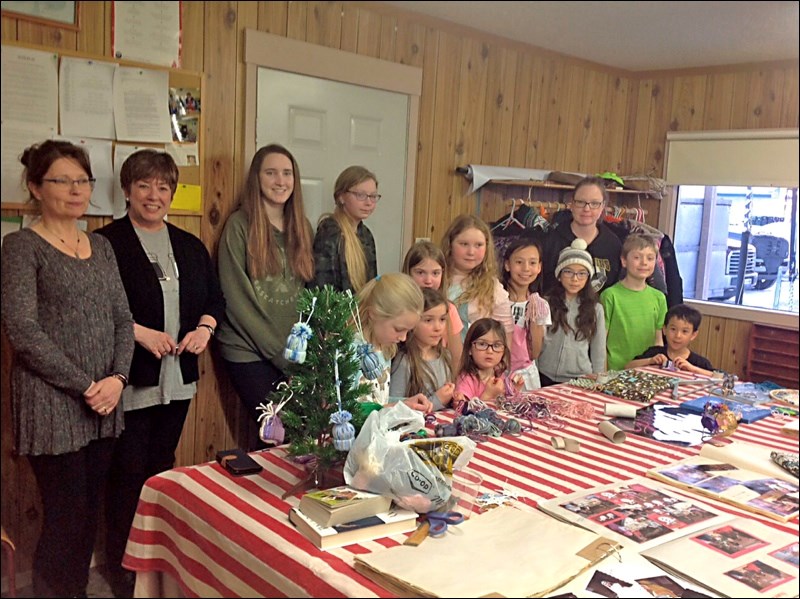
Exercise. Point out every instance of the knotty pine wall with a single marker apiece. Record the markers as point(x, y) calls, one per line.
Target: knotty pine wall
point(485, 100)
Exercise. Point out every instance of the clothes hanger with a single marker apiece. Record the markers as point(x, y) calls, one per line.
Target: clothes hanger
point(512, 219)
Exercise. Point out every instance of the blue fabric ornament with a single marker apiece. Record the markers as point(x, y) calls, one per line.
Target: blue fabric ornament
point(371, 366)
point(343, 432)
point(297, 342)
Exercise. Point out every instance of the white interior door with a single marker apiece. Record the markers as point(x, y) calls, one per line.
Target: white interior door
point(330, 125)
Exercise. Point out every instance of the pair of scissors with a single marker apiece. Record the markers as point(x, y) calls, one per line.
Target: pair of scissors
point(439, 521)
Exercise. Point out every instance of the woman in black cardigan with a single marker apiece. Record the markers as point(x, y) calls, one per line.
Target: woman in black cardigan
point(176, 302)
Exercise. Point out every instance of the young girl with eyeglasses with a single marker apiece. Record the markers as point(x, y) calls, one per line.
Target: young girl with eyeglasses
point(485, 359)
point(344, 249)
point(575, 344)
point(471, 277)
point(521, 269)
point(423, 364)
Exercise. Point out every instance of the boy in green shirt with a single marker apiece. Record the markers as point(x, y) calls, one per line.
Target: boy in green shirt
point(634, 310)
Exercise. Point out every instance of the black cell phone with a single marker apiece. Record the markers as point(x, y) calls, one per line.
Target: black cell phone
point(237, 462)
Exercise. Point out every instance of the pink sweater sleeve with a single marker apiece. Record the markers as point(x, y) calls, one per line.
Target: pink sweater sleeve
point(502, 308)
point(470, 386)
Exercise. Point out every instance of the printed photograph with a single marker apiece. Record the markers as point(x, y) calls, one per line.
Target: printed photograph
point(788, 554)
point(718, 484)
point(686, 473)
point(759, 576)
point(589, 506)
point(716, 467)
point(640, 529)
point(776, 496)
point(729, 541)
point(661, 586)
point(606, 585)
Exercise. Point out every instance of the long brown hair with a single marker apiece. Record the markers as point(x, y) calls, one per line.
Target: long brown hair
point(262, 251)
point(420, 377)
point(354, 255)
point(480, 283)
point(586, 322)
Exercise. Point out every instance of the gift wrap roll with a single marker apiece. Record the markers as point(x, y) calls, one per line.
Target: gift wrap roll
point(612, 432)
point(620, 410)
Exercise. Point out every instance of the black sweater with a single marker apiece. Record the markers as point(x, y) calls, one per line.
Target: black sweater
point(199, 293)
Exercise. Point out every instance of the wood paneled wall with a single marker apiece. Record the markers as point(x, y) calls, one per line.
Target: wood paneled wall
point(485, 100)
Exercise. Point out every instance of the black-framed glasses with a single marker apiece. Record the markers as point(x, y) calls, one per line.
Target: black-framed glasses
point(497, 346)
point(67, 183)
point(581, 204)
point(575, 274)
point(363, 197)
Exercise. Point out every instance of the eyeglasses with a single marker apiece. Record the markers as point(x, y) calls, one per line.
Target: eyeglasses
point(581, 204)
point(67, 183)
point(580, 275)
point(362, 197)
point(497, 346)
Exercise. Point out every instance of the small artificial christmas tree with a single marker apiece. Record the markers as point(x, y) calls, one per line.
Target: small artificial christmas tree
point(329, 351)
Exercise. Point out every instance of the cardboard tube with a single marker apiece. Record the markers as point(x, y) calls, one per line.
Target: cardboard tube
point(620, 410)
point(611, 432)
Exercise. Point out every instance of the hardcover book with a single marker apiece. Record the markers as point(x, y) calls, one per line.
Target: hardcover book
point(386, 524)
point(638, 513)
point(741, 558)
point(750, 490)
point(330, 507)
point(750, 412)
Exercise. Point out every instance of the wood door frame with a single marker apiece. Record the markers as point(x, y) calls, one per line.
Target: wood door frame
point(263, 49)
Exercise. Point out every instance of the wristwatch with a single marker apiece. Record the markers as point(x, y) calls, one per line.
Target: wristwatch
point(207, 326)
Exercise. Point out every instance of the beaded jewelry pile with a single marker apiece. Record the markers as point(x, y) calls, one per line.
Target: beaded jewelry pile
point(634, 385)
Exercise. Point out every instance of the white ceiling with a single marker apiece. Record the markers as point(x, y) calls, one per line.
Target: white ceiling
point(637, 36)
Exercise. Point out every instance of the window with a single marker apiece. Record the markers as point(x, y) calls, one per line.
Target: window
point(733, 218)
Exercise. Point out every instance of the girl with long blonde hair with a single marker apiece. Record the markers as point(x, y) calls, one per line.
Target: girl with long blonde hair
point(471, 278)
point(344, 249)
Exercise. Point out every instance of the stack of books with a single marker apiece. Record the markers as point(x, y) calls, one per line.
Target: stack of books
point(342, 515)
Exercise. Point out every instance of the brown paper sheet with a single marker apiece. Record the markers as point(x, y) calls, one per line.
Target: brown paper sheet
point(437, 567)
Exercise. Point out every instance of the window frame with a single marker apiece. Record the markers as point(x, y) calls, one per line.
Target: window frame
point(668, 216)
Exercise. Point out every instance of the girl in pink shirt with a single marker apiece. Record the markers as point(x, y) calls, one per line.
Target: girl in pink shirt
point(484, 362)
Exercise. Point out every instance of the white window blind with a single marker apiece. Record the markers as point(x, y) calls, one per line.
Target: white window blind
point(762, 158)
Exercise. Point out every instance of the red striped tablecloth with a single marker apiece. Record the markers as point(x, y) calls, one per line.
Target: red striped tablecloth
point(200, 532)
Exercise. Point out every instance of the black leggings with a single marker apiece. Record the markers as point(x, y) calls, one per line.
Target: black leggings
point(253, 382)
point(71, 486)
point(145, 448)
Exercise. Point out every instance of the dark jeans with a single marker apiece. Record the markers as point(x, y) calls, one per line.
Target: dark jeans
point(145, 448)
point(253, 381)
point(70, 485)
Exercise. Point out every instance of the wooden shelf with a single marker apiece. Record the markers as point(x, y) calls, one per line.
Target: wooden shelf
point(773, 356)
point(560, 186)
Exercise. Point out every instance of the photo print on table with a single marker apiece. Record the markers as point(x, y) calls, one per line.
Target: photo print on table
point(730, 541)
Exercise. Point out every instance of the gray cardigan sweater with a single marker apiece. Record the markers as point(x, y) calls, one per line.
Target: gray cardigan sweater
point(69, 324)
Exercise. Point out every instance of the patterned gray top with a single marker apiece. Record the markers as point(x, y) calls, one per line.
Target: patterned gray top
point(69, 324)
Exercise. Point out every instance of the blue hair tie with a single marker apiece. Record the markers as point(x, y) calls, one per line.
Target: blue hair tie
point(378, 278)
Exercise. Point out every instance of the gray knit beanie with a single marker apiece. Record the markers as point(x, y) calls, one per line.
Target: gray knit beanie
point(575, 254)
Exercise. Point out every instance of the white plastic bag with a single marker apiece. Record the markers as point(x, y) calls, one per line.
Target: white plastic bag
point(416, 473)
